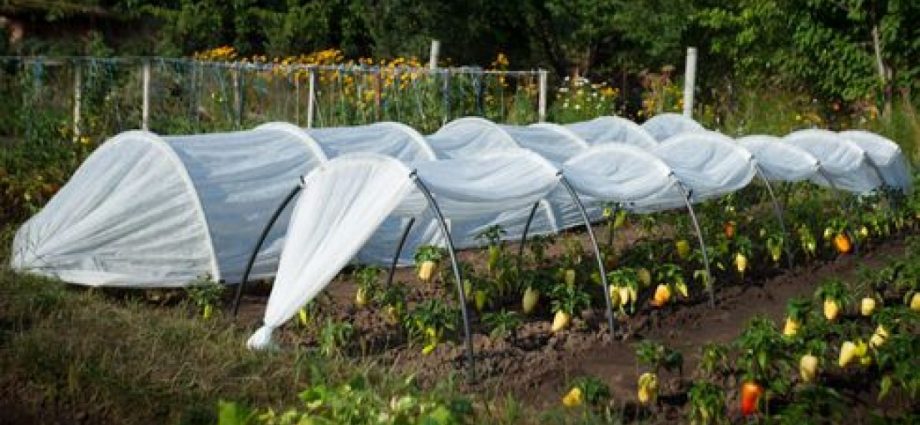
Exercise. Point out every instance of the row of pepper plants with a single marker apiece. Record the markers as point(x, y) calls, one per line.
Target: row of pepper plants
point(661, 269)
point(852, 339)
point(853, 342)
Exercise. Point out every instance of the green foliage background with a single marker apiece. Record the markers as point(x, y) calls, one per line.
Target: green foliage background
point(824, 47)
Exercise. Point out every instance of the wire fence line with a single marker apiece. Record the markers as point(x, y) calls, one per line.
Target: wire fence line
point(89, 98)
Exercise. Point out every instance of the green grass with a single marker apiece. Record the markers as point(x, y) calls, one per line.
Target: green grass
point(111, 357)
point(129, 362)
point(781, 112)
point(75, 353)
point(68, 351)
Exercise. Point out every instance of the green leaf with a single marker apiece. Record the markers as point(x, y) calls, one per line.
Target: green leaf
point(884, 387)
point(232, 413)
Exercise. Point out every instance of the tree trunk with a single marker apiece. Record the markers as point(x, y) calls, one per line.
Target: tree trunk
point(883, 73)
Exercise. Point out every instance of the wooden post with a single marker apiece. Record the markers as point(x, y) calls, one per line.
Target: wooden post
point(311, 95)
point(689, 81)
point(194, 105)
point(884, 73)
point(297, 97)
point(145, 102)
point(541, 104)
point(447, 100)
point(238, 95)
point(433, 55)
point(77, 98)
point(379, 95)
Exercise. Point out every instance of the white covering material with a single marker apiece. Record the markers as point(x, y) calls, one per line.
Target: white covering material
point(150, 211)
point(469, 137)
point(625, 174)
point(398, 141)
point(358, 191)
point(842, 161)
point(613, 129)
point(708, 163)
point(664, 126)
point(553, 142)
point(388, 138)
point(780, 161)
point(886, 155)
point(474, 187)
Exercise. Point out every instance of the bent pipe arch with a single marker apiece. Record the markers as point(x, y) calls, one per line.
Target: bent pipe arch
point(874, 166)
point(597, 251)
point(399, 248)
point(533, 212)
point(699, 235)
point(778, 212)
point(464, 311)
point(255, 252)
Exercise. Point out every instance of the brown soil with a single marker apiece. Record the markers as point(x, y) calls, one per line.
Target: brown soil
point(535, 364)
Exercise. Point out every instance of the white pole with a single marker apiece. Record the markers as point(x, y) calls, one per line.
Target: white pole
point(77, 98)
point(311, 95)
point(541, 103)
point(689, 82)
point(433, 55)
point(145, 106)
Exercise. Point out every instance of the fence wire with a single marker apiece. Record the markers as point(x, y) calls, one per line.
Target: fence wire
point(86, 97)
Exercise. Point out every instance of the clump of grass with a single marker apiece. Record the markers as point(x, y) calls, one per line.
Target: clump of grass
point(78, 354)
point(902, 126)
point(130, 362)
point(69, 352)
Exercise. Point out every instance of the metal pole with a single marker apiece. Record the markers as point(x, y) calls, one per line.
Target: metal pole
point(699, 236)
point(689, 81)
point(541, 103)
point(779, 215)
point(433, 54)
point(145, 105)
point(464, 311)
point(311, 95)
point(77, 97)
point(597, 250)
point(255, 251)
point(399, 248)
point(878, 172)
point(533, 212)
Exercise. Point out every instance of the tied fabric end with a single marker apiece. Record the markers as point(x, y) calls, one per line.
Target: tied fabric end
point(261, 339)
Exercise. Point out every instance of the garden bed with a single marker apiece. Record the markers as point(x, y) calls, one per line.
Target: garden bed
point(536, 365)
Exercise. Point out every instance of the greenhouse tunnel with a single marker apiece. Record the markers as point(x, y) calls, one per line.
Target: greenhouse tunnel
point(206, 198)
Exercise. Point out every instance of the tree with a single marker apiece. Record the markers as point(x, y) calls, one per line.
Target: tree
point(837, 49)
